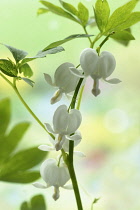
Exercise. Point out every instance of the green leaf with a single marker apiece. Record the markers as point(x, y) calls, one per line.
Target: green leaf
point(38, 203)
point(69, 38)
point(41, 11)
point(26, 69)
point(58, 11)
point(17, 54)
point(131, 20)
point(42, 54)
point(8, 68)
point(4, 116)
point(102, 12)
point(22, 177)
point(120, 15)
point(28, 81)
point(83, 14)
point(10, 142)
point(22, 161)
point(123, 35)
point(24, 206)
point(14, 167)
point(69, 7)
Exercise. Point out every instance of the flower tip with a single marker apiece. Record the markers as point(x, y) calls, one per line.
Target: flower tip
point(58, 146)
point(56, 194)
point(95, 92)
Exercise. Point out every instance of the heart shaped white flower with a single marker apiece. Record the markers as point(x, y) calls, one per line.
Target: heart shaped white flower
point(65, 125)
point(97, 67)
point(53, 175)
point(63, 79)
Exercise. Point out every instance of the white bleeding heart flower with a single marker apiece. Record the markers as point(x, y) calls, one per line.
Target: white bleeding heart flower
point(64, 80)
point(97, 67)
point(65, 125)
point(76, 138)
point(54, 175)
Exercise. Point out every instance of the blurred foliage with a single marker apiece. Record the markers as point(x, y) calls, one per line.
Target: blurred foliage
point(36, 203)
point(15, 167)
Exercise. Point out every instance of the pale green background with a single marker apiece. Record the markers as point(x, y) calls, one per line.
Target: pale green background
point(110, 127)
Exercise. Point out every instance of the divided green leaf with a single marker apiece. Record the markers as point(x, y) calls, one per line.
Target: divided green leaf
point(37, 203)
point(24, 206)
point(69, 38)
point(26, 70)
point(41, 11)
point(83, 14)
point(8, 68)
point(11, 140)
point(4, 116)
point(69, 7)
point(133, 18)
point(22, 177)
point(58, 11)
point(17, 54)
point(102, 12)
point(15, 167)
point(42, 54)
point(28, 81)
point(120, 16)
point(123, 35)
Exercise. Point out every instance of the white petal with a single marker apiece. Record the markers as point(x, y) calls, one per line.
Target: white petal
point(49, 128)
point(47, 171)
point(74, 137)
point(76, 72)
point(68, 187)
point(106, 64)
point(64, 79)
point(113, 81)
point(60, 119)
point(56, 97)
point(77, 139)
point(46, 148)
point(74, 121)
point(39, 185)
point(79, 154)
point(88, 61)
point(48, 79)
point(52, 174)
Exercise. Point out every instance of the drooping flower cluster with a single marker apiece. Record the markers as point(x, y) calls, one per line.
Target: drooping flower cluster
point(66, 122)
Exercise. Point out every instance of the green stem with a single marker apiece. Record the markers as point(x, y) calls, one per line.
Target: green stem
point(74, 98)
point(103, 42)
point(96, 39)
point(73, 176)
point(88, 36)
point(80, 97)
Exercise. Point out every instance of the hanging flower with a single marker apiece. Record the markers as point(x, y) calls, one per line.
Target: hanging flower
point(97, 67)
point(65, 125)
point(77, 139)
point(63, 79)
point(54, 175)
